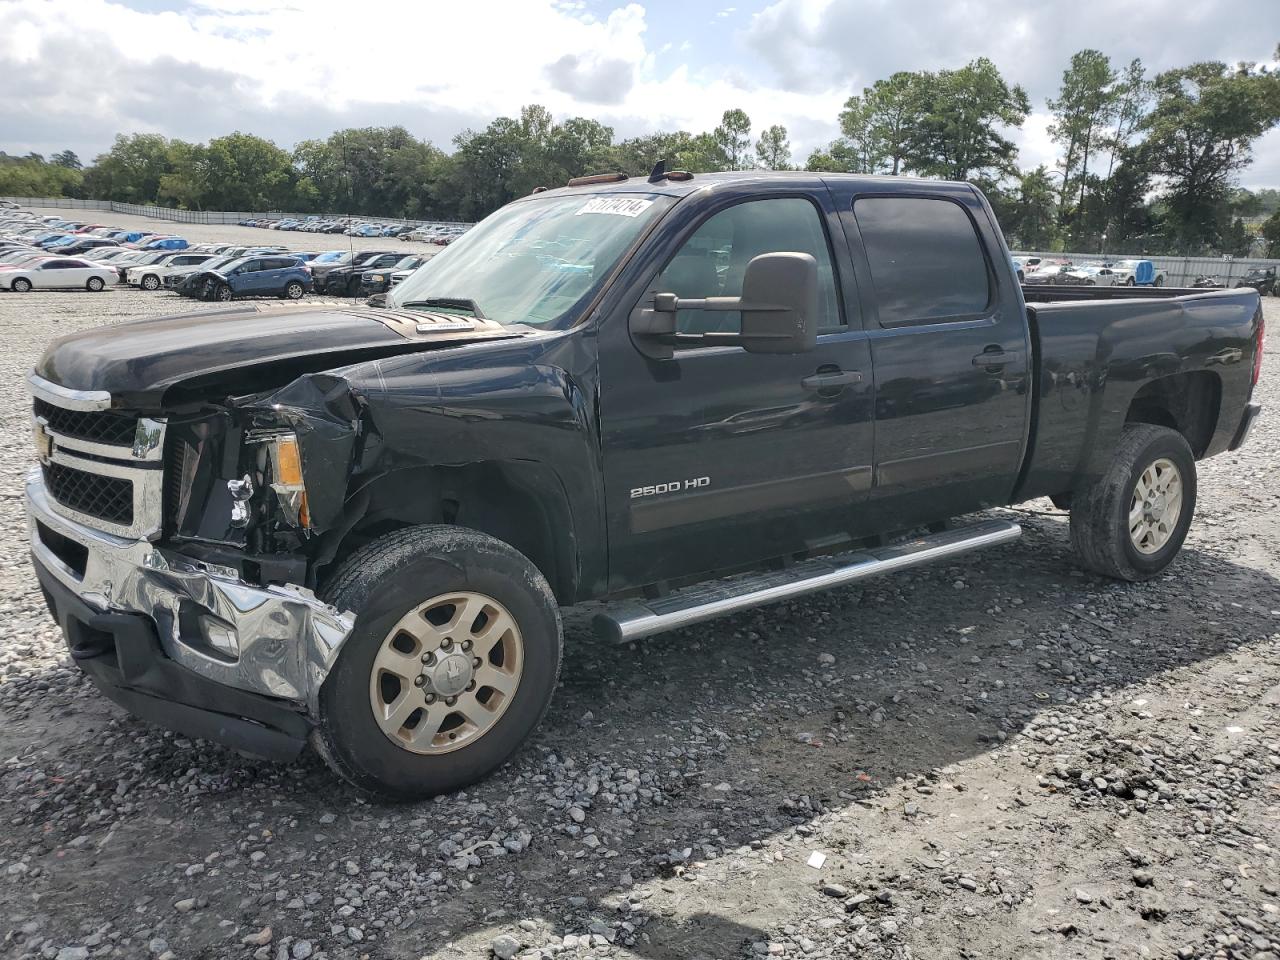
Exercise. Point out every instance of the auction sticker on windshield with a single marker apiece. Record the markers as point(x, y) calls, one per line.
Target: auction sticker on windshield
point(616, 206)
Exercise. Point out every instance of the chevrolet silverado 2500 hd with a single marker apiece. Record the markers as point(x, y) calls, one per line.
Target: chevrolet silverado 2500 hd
point(355, 527)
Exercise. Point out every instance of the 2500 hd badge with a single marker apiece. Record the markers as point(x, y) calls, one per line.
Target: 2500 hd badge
point(675, 486)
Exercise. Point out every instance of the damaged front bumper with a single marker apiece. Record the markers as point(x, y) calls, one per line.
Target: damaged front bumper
point(147, 623)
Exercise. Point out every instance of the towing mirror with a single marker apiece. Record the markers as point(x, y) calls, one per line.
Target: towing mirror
point(778, 305)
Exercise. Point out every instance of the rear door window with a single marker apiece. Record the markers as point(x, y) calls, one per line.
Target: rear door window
point(926, 259)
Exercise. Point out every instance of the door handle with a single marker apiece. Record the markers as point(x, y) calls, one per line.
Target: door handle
point(824, 380)
point(995, 358)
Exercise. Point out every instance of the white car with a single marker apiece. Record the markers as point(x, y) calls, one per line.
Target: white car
point(1093, 275)
point(151, 276)
point(57, 273)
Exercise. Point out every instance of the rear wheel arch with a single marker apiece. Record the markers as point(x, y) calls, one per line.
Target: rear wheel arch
point(1186, 402)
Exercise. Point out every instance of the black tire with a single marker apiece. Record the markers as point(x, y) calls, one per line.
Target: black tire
point(380, 583)
point(294, 290)
point(223, 292)
point(150, 282)
point(1130, 282)
point(94, 285)
point(21, 285)
point(1100, 514)
point(1159, 281)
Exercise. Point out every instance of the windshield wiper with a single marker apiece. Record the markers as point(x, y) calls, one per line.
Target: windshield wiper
point(459, 303)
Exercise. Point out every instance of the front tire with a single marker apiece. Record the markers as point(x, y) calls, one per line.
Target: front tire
point(21, 285)
point(150, 282)
point(1132, 522)
point(451, 665)
point(223, 292)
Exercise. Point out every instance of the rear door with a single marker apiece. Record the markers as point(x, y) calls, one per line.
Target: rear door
point(950, 350)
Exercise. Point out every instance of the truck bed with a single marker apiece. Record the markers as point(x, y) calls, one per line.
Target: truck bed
point(1099, 348)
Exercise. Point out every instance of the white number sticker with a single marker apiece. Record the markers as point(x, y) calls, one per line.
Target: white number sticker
point(617, 206)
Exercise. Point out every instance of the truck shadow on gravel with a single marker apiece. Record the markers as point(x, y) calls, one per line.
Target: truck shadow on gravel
point(741, 738)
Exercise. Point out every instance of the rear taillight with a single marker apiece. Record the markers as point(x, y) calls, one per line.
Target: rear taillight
point(1262, 342)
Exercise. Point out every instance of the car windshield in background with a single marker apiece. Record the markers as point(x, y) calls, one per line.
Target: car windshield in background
point(535, 261)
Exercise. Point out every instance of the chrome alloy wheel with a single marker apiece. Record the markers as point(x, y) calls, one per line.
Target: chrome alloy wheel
point(446, 672)
point(1156, 506)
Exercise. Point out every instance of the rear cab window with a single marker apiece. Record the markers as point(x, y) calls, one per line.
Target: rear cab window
point(926, 259)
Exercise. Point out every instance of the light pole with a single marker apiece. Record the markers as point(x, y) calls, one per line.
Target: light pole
point(1103, 252)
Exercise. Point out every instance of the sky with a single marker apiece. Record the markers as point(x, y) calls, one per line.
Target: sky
point(73, 73)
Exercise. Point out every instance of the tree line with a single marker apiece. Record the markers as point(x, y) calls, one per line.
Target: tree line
point(1146, 162)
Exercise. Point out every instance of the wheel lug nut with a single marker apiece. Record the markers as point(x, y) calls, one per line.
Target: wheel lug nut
point(431, 698)
point(477, 662)
point(419, 681)
point(446, 643)
point(471, 686)
point(466, 644)
point(428, 658)
point(451, 701)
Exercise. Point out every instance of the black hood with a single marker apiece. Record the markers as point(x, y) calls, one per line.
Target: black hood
point(138, 362)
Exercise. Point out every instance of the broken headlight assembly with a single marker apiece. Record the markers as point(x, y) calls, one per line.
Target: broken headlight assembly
point(279, 458)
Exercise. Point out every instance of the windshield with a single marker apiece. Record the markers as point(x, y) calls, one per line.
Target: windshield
point(331, 256)
point(534, 261)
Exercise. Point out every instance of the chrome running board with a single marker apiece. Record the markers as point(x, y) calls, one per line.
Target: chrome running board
point(633, 619)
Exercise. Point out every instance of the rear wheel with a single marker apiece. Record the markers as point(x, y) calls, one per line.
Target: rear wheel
point(294, 290)
point(451, 664)
point(21, 285)
point(95, 285)
point(1131, 523)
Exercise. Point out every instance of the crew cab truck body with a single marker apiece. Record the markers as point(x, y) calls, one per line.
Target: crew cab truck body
point(356, 527)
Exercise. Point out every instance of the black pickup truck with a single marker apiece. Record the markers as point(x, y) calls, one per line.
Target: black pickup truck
point(356, 527)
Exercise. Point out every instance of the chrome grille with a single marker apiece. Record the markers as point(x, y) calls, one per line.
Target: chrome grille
point(101, 467)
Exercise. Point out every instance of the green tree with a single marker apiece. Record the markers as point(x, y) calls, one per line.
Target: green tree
point(1200, 135)
point(773, 151)
point(839, 157)
point(1033, 210)
point(131, 170)
point(1271, 235)
point(957, 135)
point(733, 137)
point(878, 125)
point(1085, 106)
point(66, 158)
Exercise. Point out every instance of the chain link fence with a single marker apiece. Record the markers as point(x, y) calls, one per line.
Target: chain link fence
point(1178, 271)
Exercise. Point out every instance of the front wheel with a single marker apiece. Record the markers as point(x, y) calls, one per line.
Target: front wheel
point(150, 282)
point(1131, 523)
point(21, 285)
point(451, 665)
point(1130, 282)
point(223, 292)
point(1159, 281)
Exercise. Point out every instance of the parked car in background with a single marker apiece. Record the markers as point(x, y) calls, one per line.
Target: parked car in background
point(1264, 281)
point(345, 280)
point(150, 276)
point(1093, 275)
point(1052, 275)
point(56, 273)
point(378, 280)
point(1139, 273)
point(272, 276)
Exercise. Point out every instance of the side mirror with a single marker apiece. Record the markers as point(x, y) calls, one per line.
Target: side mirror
point(779, 307)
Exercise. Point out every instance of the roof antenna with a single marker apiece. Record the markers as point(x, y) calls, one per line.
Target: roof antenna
point(659, 172)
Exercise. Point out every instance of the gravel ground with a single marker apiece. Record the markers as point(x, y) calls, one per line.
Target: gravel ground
point(1002, 757)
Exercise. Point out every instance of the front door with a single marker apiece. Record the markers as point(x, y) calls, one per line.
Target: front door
point(718, 457)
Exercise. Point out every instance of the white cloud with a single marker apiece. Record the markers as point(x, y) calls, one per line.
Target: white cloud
point(78, 71)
